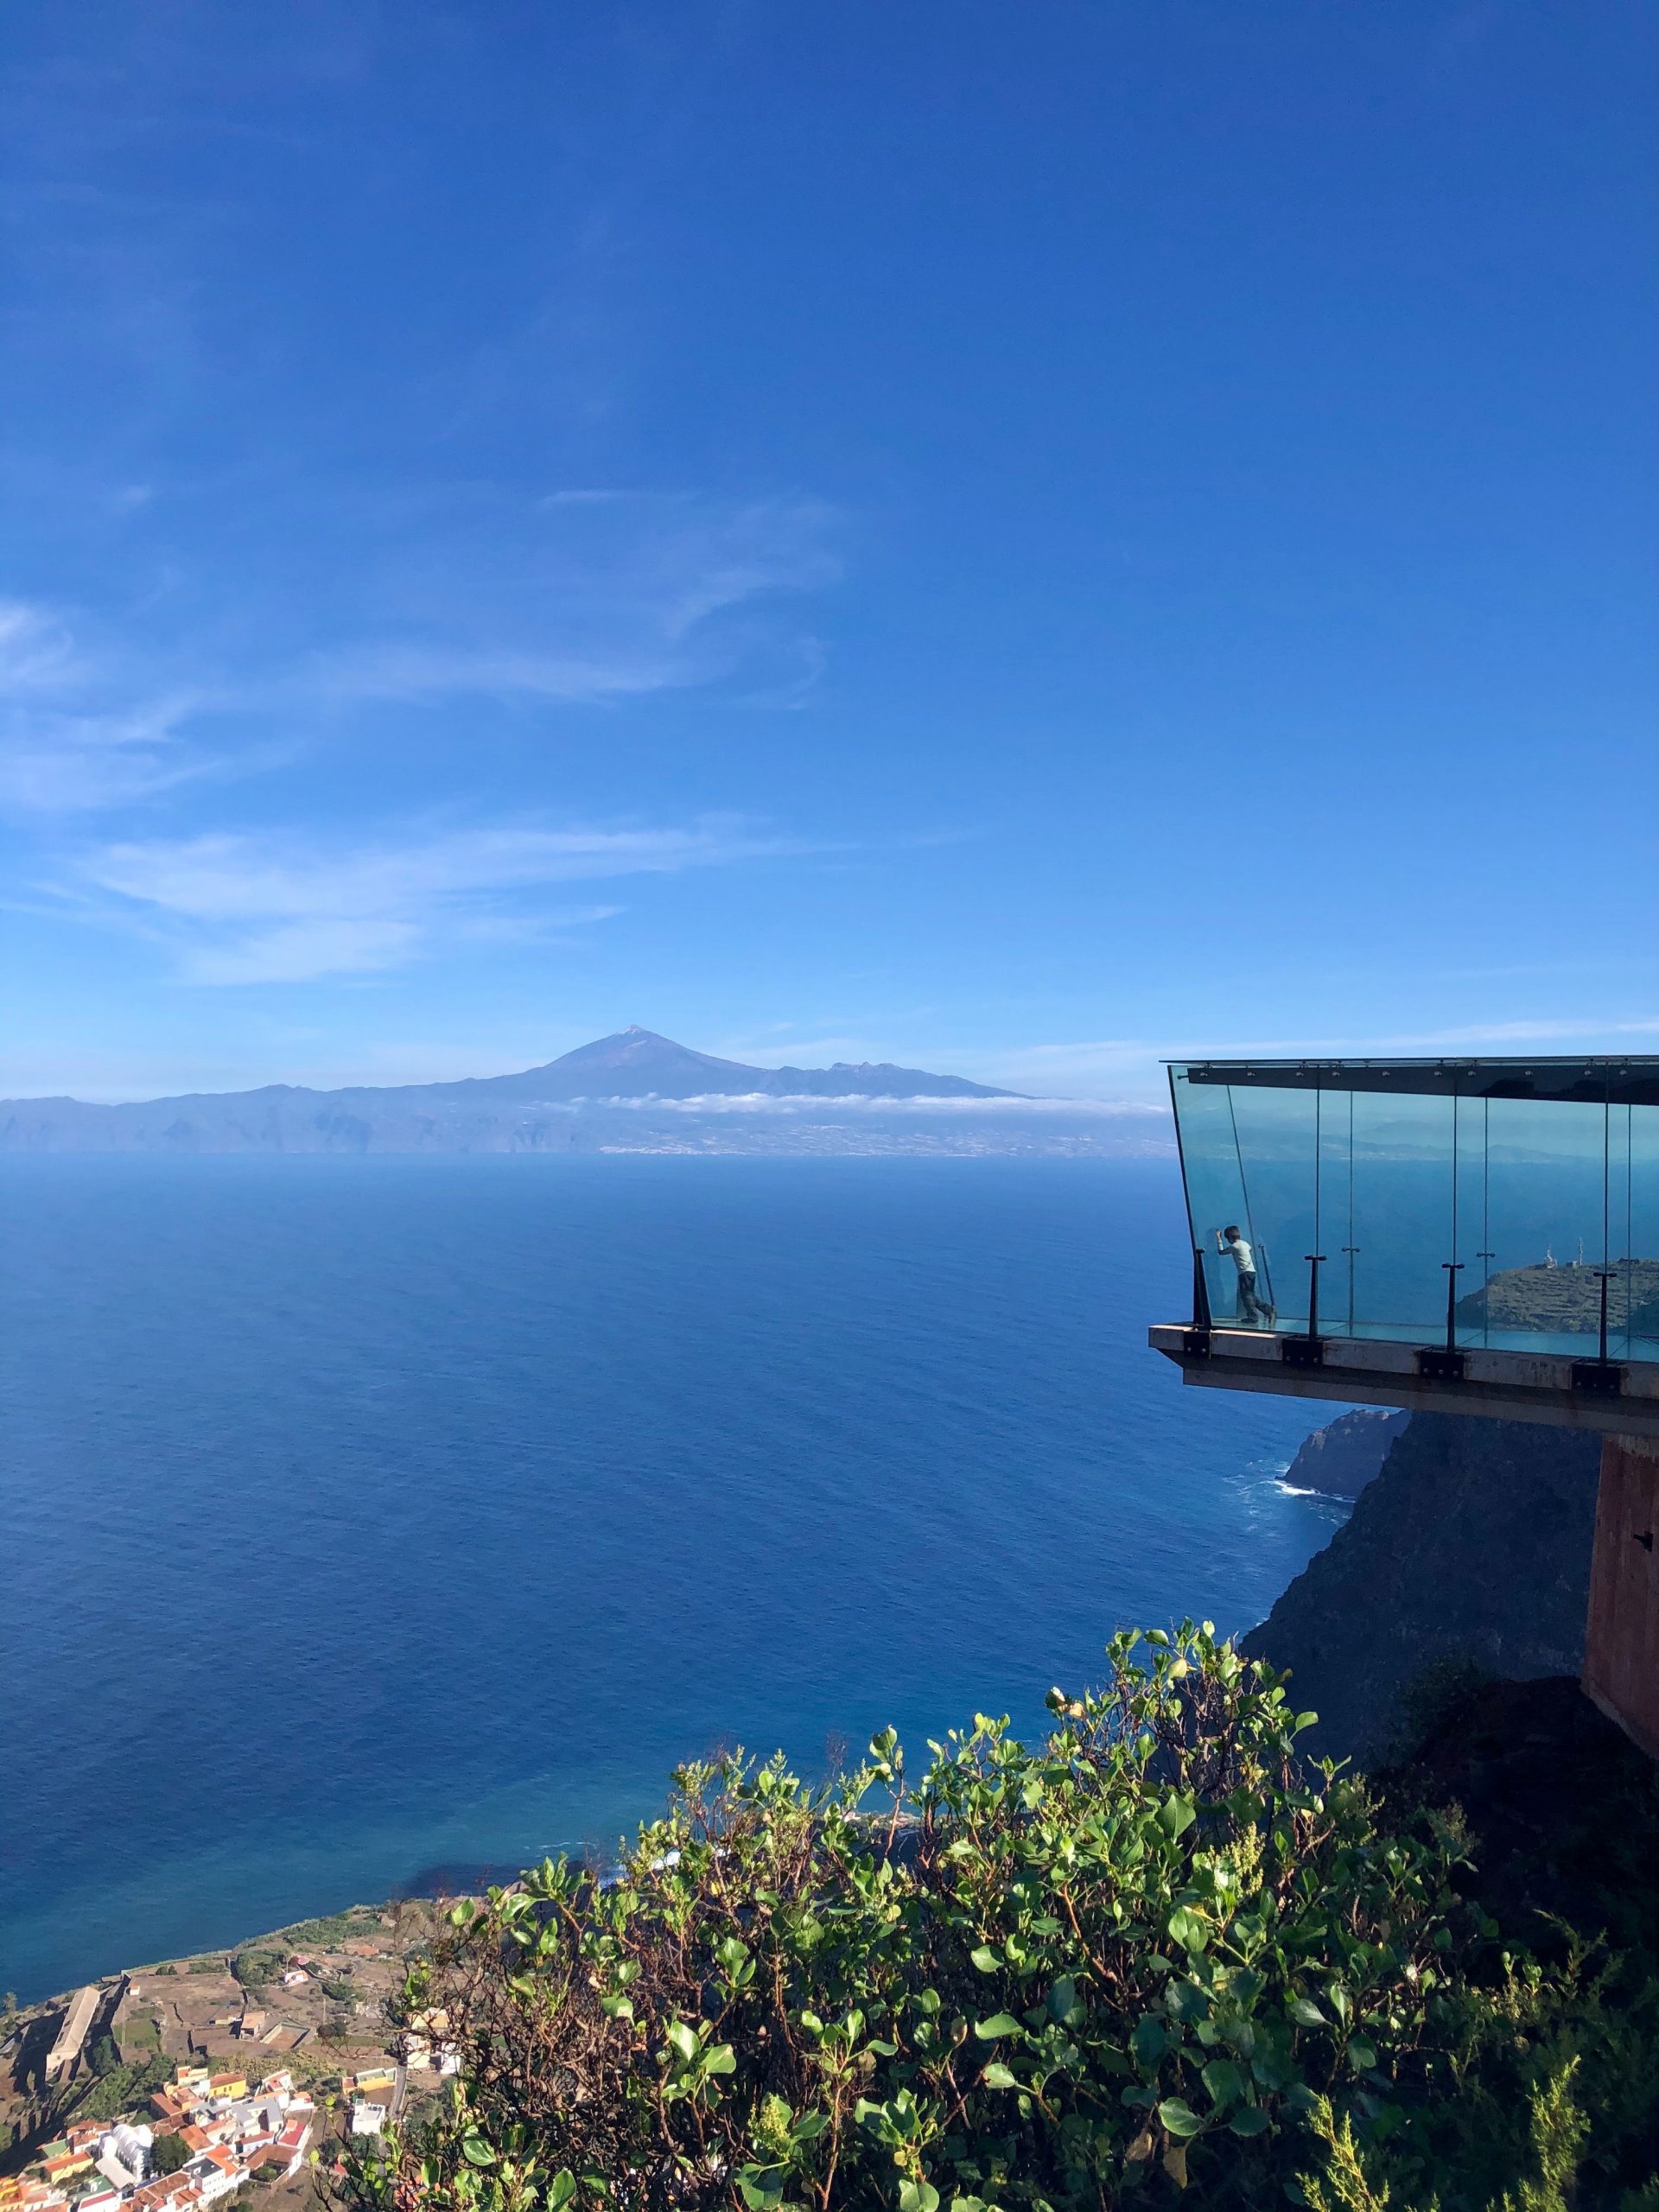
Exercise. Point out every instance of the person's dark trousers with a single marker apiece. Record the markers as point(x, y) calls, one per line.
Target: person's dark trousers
point(1248, 1308)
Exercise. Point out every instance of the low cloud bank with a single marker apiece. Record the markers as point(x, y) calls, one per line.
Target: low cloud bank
point(762, 1101)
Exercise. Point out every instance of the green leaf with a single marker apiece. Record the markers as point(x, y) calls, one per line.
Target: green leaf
point(1183, 2000)
point(1223, 2082)
point(986, 1958)
point(720, 2060)
point(683, 2040)
point(1303, 1721)
point(1248, 2120)
point(809, 2127)
point(1176, 1815)
point(998, 2077)
point(1362, 2054)
point(999, 2023)
point(476, 2150)
point(1178, 2117)
point(918, 2196)
point(759, 2195)
point(1188, 1929)
point(562, 2189)
point(1306, 2013)
point(1063, 1999)
point(1150, 2040)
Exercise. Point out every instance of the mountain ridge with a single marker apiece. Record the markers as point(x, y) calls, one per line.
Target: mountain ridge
point(580, 1099)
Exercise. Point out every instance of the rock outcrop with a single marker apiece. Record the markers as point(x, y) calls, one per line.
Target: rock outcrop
point(1340, 1459)
point(1472, 1542)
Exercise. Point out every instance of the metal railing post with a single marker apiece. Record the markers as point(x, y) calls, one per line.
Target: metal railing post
point(1200, 1290)
point(1316, 1261)
point(1453, 1269)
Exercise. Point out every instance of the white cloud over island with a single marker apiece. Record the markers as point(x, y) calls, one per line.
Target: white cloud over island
point(246, 909)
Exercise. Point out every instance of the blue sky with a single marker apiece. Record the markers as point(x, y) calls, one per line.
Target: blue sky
point(1011, 539)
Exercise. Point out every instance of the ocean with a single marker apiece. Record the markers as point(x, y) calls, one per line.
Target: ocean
point(370, 1520)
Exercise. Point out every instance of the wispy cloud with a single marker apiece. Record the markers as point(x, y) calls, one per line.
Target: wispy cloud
point(580, 597)
point(432, 598)
point(258, 910)
point(77, 733)
point(1105, 1066)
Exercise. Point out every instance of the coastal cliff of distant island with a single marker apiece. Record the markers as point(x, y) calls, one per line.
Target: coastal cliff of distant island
point(632, 1092)
point(1340, 1459)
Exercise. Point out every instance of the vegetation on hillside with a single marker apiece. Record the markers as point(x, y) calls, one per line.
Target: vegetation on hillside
point(1158, 1954)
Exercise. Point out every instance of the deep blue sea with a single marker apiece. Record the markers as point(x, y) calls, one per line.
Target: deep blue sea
point(365, 1518)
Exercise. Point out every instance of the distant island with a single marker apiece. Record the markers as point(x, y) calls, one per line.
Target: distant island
point(1565, 1299)
point(634, 1091)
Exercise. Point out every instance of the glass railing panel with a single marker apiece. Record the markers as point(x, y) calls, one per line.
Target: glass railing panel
point(1215, 1191)
point(1472, 1202)
point(1279, 1138)
point(1545, 1172)
point(1501, 1221)
point(1637, 1235)
point(1402, 1225)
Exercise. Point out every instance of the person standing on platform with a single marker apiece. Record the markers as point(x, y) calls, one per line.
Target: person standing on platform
point(1250, 1309)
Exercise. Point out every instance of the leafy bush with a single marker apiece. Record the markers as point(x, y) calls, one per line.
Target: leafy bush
point(1157, 1952)
point(334, 1927)
point(169, 2152)
point(255, 1969)
point(120, 2089)
point(342, 1993)
point(1035, 1978)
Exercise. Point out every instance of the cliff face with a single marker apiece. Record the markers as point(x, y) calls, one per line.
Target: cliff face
point(1474, 1541)
point(1341, 1457)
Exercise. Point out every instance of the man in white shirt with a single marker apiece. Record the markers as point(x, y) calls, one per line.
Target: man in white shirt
point(1250, 1309)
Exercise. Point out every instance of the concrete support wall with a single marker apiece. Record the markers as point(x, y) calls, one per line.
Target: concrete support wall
point(1621, 1645)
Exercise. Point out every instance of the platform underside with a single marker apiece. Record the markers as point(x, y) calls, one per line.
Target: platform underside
point(1611, 1398)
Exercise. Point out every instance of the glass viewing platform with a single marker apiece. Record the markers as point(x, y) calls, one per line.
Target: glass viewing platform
point(1468, 1234)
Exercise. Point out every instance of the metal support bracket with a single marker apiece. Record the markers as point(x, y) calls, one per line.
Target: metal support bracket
point(1435, 1365)
point(1598, 1378)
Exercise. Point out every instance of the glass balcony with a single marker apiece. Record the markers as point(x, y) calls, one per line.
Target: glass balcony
point(1493, 1205)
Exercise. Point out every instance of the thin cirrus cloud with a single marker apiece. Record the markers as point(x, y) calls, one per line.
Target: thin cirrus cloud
point(240, 909)
point(74, 734)
point(580, 599)
point(426, 598)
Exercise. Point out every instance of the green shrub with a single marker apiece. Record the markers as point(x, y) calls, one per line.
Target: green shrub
point(1032, 1979)
point(334, 1927)
point(1159, 1953)
point(342, 1993)
point(169, 2152)
point(121, 2088)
